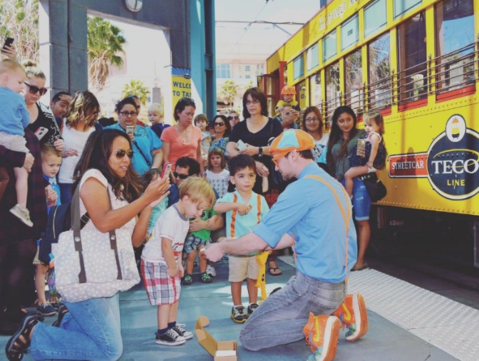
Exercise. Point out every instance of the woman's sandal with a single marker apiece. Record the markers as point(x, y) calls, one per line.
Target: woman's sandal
point(273, 271)
point(20, 341)
point(62, 311)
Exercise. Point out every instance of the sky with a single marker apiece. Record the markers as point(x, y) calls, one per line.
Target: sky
point(258, 41)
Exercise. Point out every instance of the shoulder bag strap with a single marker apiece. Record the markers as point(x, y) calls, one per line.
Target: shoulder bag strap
point(76, 225)
point(346, 213)
point(143, 154)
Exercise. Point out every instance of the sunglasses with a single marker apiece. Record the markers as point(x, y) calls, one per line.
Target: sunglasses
point(219, 124)
point(181, 176)
point(32, 89)
point(120, 154)
point(129, 114)
point(234, 118)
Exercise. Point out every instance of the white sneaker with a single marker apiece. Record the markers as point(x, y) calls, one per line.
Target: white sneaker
point(211, 270)
point(22, 214)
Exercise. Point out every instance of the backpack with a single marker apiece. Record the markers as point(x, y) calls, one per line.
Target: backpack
point(58, 221)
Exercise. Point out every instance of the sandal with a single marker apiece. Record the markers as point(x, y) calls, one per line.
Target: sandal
point(62, 311)
point(358, 267)
point(20, 341)
point(273, 271)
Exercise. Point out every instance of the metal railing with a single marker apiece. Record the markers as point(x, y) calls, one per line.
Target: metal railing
point(446, 73)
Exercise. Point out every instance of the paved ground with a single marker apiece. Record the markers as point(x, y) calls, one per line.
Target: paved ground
point(384, 341)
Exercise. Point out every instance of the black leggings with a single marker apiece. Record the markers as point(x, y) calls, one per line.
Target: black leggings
point(16, 274)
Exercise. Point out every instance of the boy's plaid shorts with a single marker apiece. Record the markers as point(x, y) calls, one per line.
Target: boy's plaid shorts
point(161, 288)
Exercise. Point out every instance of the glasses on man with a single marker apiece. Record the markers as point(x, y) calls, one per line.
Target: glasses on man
point(181, 176)
point(234, 117)
point(128, 114)
point(219, 124)
point(120, 154)
point(312, 120)
point(254, 101)
point(32, 89)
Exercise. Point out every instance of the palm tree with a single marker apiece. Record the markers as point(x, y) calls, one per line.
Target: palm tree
point(105, 43)
point(138, 88)
point(19, 20)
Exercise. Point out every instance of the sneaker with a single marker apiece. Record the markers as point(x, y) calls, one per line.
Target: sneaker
point(238, 315)
point(22, 214)
point(252, 307)
point(170, 338)
point(180, 330)
point(211, 270)
point(353, 315)
point(323, 338)
point(206, 278)
point(56, 305)
point(46, 309)
point(187, 280)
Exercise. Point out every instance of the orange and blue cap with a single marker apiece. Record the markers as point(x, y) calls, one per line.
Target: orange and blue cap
point(289, 140)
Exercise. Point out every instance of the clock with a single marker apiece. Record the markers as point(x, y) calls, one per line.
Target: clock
point(134, 5)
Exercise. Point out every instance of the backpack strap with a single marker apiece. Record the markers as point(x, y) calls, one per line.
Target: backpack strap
point(346, 213)
point(233, 217)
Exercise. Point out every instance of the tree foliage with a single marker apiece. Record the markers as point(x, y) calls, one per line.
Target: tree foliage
point(229, 91)
point(105, 46)
point(138, 88)
point(19, 20)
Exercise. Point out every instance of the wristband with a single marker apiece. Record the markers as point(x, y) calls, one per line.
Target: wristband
point(260, 151)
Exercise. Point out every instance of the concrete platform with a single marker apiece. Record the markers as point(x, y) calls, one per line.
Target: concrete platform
point(384, 341)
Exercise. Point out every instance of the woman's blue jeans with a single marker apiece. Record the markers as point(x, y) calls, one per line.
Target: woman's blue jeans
point(280, 319)
point(90, 331)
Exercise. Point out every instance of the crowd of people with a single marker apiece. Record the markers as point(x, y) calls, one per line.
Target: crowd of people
point(238, 186)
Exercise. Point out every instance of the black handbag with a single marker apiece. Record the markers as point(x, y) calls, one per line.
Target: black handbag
point(376, 189)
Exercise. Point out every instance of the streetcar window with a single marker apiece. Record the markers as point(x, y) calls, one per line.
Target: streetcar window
point(454, 45)
point(330, 47)
point(379, 86)
point(403, 6)
point(316, 91)
point(223, 71)
point(298, 67)
point(333, 93)
point(412, 59)
point(353, 80)
point(312, 57)
point(350, 32)
point(375, 17)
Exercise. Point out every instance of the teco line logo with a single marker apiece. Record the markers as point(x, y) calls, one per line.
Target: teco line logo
point(453, 161)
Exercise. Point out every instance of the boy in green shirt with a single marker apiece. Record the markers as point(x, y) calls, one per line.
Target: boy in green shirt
point(198, 238)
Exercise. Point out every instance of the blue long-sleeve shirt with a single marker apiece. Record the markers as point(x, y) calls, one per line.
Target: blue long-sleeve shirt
point(14, 116)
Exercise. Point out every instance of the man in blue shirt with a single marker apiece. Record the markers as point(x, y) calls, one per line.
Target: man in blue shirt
point(313, 214)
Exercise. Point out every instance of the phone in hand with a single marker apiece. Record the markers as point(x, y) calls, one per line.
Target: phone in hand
point(8, 42)
point(241, 145)
point(166, 169)
point(130, 129)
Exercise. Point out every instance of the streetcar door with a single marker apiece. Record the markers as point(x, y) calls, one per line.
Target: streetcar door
point(268, 83)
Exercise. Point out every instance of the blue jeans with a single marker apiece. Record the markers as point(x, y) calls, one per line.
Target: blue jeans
point(90, 331)
point(361, 200)
point(66, 192)
point(280, 319)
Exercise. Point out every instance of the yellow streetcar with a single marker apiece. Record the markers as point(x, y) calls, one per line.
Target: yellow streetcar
point(417, 62)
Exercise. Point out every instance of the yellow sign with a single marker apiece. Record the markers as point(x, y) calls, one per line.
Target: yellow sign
point(181, 84)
